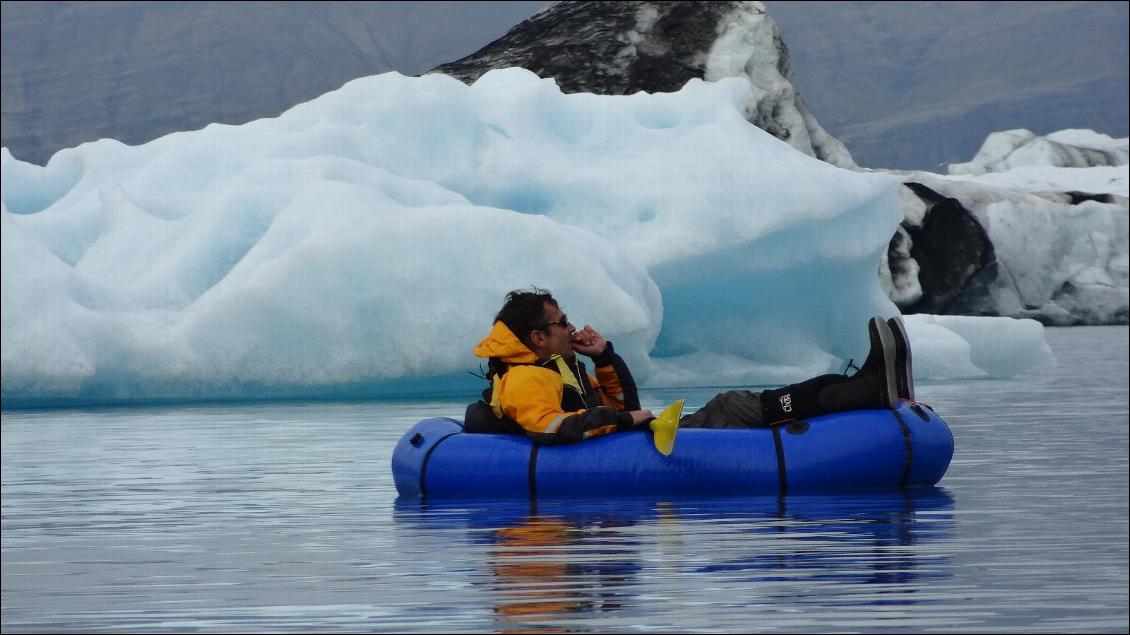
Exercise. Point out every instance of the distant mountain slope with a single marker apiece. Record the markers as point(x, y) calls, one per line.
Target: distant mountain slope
point(913, 85)
point(134, 71)
point(908, 85)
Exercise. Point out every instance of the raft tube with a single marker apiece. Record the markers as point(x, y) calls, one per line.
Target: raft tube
point(908, 446)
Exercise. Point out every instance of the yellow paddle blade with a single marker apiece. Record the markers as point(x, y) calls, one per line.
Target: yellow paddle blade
point(665, 426)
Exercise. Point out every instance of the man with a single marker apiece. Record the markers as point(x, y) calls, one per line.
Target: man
point(540, 388)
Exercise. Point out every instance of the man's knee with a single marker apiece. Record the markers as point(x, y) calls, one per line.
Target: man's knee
point(730, 409)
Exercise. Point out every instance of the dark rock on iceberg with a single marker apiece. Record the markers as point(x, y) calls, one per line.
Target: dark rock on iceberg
point(953, 252)
point(620, 48)
point(562, 42)
point(1074, 198)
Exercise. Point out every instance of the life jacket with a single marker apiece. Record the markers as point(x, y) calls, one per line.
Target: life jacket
point(486, 414)
point(552, 400)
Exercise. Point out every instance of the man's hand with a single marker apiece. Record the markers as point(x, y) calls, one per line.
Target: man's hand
point(640, 417)
point(588, 341)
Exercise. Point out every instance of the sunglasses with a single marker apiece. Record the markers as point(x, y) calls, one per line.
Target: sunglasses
point(563, 322)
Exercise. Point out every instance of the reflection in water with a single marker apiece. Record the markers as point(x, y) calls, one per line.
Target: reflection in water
point(545, 561)
point(858, 540)
point(534, 584)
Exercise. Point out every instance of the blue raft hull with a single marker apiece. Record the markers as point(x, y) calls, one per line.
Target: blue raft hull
point(909, 446)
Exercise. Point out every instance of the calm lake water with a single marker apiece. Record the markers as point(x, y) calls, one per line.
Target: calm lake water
point(285, 518)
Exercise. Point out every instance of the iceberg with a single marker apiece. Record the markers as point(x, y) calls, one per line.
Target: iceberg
point(359, 244)
point(1039, 235)
point(1072, 148)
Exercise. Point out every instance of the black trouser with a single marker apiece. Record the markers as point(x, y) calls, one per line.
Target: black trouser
point(744, 409)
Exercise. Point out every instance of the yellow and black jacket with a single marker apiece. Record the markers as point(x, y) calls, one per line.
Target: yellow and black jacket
point(553, 400)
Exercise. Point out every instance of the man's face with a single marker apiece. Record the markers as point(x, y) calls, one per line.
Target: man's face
point(558, 333)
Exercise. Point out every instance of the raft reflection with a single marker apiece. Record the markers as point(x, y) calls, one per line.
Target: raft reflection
point(543, 562)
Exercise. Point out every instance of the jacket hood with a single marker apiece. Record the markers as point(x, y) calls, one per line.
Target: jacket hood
point(503, 344)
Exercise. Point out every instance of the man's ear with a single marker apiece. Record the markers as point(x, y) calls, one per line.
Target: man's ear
point(537, 338)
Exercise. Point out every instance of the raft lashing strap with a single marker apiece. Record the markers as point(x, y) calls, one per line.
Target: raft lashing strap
point(532, 473)
point(907, 444)
point(782, 472)
point(427, 457)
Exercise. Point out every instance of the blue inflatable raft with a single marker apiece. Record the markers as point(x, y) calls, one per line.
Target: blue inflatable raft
point(909, 446)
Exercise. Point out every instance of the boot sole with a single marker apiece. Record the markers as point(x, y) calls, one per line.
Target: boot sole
point(881, 334)
point(903, 367)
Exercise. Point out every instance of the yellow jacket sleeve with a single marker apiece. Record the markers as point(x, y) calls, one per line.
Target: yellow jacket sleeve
point(531, 396)
point(617, 386)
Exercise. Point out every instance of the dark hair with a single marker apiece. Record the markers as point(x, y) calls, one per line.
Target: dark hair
point(524, 311)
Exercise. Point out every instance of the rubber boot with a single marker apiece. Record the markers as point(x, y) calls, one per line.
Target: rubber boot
point(904, 373)
point(797, 401)
point(875, 385)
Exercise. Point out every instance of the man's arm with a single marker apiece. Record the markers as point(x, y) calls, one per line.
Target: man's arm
point(532, 396)
point(617, 386)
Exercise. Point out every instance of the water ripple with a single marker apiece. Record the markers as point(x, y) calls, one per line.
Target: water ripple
point(284, 518)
